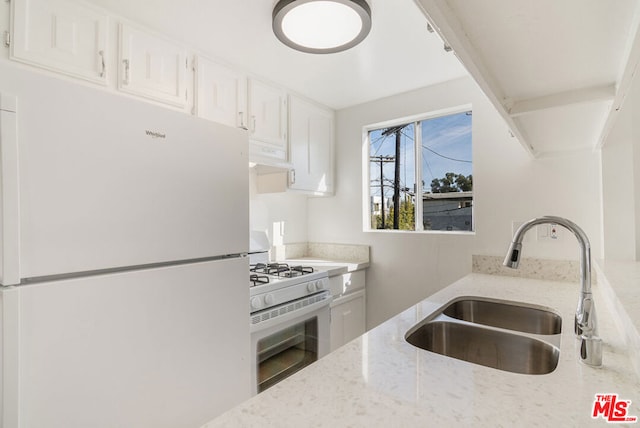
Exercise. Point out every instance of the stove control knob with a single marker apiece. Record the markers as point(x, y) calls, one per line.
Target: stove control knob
point(269, 300)
point(256, 303)
point(319, 284)
point(311, 287)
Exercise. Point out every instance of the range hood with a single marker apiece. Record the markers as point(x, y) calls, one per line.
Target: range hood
point(268, 159)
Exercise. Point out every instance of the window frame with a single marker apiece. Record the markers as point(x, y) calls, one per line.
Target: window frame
point(366, 170)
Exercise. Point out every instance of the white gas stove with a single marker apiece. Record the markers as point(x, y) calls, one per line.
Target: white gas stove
point(289, 317)
point(275, 284)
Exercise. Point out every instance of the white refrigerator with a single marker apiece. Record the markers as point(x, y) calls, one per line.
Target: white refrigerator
point(124, 230)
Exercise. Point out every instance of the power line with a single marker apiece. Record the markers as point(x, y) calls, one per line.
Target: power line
point(446, 157)
point(381, 138)
point(382, 160)
point(438, 154)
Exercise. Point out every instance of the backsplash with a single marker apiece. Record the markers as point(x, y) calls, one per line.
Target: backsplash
point(343, 252)
point(552, 270)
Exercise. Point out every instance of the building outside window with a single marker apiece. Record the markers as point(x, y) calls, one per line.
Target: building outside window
point(422, 167)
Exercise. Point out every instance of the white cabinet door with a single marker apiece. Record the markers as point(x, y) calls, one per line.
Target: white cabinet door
point(60, 35)
point(221, 94)
point(310, 146)
point(152, 67)
point(268, 118)
point(347, 318)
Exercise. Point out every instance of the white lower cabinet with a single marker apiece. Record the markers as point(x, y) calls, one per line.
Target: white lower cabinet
point(347, 318)
point(60, 35)
point(152, 67)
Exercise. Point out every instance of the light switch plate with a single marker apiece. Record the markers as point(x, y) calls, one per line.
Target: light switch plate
point(548, 232)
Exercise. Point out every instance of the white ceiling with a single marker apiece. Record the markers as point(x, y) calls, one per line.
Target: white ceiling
point(398, 55)
point(556, 70)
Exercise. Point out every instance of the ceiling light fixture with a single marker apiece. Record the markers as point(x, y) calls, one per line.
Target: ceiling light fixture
point(321, 26)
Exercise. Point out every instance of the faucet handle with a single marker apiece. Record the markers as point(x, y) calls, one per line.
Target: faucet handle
point(591, 351)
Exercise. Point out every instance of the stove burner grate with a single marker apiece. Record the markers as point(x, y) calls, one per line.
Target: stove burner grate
point(281, 269)
point(256, 279)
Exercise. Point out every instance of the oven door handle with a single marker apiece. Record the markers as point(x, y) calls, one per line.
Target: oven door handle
point(291, 315)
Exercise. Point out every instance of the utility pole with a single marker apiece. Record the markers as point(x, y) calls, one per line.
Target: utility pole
point(382, 160)
point(396, 182)
point(396, 185)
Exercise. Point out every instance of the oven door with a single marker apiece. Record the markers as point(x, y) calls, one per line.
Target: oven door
point(289, 341)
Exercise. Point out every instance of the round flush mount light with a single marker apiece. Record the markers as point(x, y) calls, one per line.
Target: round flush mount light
point(321, 26)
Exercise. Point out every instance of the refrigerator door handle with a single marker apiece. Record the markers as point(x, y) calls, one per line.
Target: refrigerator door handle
point(10, 198)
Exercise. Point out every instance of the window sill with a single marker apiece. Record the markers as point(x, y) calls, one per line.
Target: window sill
point(424, 232)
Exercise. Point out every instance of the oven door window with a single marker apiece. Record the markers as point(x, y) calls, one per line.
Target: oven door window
point(286, 351)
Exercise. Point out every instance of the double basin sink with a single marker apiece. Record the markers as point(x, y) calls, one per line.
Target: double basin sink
point(509, 336)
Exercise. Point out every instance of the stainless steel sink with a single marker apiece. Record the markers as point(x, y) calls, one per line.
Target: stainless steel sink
point(488, 347)
point(505, 315)
point(508, 336)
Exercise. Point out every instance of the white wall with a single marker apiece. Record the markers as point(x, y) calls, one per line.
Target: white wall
point(283, 216)
point(633, 110)
point(508, 186)
point(621, 182)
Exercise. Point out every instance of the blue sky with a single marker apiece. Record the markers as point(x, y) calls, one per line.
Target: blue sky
point(442, 138)
point(448, 136)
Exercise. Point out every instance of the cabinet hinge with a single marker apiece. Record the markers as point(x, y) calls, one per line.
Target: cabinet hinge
point(7, 39)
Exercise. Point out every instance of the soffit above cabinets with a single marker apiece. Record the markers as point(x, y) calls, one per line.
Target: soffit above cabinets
point(557, 71)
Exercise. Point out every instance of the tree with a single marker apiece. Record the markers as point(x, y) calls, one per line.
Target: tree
point(452, 182)
point(406, 216)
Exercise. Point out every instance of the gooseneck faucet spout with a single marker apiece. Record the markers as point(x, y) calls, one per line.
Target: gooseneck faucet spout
point(585, 324)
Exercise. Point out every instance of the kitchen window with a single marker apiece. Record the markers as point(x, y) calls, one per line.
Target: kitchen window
point(419, 173)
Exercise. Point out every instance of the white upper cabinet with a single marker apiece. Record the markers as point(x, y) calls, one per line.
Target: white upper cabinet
point(310, 146)
point(268, 120)
point(65, 36)
point(221, 94)
point(152, 67)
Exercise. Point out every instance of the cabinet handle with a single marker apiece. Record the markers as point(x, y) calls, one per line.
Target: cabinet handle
point(253, 123)
point(103, 67)
point(292, 175)
point(126, 80)
point(242, 125)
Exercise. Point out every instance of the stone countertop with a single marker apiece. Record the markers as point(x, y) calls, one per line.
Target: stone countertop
point(333, 267)
point(379, 380)
point(620, 281)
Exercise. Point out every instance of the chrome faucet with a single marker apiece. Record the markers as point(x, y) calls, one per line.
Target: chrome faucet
point(585, 324)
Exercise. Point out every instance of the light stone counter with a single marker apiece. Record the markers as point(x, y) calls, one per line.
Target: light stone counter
point(620, 283)
point(336, 259)
point(379, 380)
point(332, 266)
